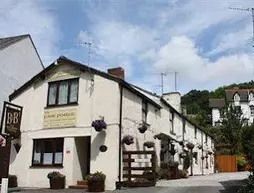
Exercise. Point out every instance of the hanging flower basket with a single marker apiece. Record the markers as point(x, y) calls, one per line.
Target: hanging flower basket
point(206, 156)
point(202, 157)
point(210, 153)
point(128, 140)
point(190, 145)
point(199, 146)
point(142, 128)
point(158, 136)
point(181, 143)
point(99, 125)
point(149, 144)
point(172, 151)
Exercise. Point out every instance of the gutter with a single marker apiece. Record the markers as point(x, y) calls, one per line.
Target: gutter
point(120, 138)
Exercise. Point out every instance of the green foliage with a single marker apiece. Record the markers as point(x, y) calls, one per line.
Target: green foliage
point(241, 161)
point(197, 102)
point(248, 187)
point(232, 126)
point(248, 142)
point(55, 175)
point(97, 176)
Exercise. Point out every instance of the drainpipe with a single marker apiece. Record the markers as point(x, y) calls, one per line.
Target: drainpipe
point(120, 138)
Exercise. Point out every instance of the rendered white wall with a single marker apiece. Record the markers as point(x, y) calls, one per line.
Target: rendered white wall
point(19, 63)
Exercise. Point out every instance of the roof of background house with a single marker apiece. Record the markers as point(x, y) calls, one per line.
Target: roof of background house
point(216, 103)
point(63, 59)
point(243, 93)
point(8, 41)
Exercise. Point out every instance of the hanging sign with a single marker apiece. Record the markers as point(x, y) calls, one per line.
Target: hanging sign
point(12, 115)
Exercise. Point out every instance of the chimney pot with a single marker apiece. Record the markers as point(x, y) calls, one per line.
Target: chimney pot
point(118, 72)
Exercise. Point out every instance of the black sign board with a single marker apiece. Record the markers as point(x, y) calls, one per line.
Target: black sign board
point(12, 115)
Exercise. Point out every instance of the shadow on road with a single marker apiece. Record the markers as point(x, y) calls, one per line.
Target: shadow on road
point(231, 186)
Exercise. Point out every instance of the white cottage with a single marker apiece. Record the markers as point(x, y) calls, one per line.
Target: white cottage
point(59, 105)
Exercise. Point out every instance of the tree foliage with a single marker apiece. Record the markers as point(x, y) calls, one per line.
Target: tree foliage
point(197, 101)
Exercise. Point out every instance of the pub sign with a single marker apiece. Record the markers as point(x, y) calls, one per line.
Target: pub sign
point(11, 119)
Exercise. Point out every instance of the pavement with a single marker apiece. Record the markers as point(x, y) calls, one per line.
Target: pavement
point(214, 183)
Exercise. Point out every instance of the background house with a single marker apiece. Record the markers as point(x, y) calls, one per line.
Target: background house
point(243, 98)
point(59, 105)
point(19, 61)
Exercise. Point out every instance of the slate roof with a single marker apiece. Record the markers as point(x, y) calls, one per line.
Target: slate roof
point(5, 42)
point(243, 93)
point(216, 103)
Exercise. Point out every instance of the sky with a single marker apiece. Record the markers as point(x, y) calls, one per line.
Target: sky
point(207, 44)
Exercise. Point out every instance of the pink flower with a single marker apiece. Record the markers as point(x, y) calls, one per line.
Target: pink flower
point(1, 140)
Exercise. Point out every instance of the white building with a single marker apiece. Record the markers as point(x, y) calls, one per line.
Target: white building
point(242, 98)
point(59, 105)
point(19, 61)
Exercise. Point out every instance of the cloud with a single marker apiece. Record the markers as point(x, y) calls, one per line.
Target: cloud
point(34, 18)
point(182, 55)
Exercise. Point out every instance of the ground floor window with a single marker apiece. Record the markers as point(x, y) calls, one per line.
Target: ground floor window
point(48, 152)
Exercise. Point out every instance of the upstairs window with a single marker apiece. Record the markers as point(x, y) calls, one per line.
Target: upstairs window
point(63, 92)
point(252, 110)
point(171, 120)
point(195, 133)
point(236, 97)
point(144, 111)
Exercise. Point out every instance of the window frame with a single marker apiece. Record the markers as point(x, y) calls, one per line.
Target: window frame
point(58, 82)
point(144, 110)
point(54, 140)
point(171, 120)
point(252, 106)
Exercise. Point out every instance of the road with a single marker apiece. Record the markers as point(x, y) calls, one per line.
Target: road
point(215, 183)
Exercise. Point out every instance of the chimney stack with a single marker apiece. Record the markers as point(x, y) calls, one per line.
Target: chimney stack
point(118, 72)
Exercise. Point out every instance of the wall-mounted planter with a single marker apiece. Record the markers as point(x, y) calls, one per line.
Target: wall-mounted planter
point(149, 144)
point(210, 153)
point(128, 140)
point(142, 128)
point(103, 148)
point(202, 157)
point(99, 125)
point(190, 145)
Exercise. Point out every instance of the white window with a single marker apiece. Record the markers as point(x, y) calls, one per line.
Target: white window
point(144, 111)
point(252, 110)
point(251, 98)
point(236, 97)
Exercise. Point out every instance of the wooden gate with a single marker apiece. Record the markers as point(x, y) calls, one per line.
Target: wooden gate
point(139, 168)
point(226, 163)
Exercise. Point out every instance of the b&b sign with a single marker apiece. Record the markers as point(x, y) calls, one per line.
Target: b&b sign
point(12, 115)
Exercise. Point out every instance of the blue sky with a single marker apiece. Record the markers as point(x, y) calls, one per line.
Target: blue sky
point(208, 44)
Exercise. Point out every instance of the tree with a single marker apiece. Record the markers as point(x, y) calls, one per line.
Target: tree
point(232, 125)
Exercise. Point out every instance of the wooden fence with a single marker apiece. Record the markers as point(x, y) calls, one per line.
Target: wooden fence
point(226, 163)
point(145, 166)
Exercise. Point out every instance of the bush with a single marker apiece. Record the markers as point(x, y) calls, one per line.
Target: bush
point(97, 176)
point(55, 175)
point(183, 173)
point(241, 162)
point(248, 187)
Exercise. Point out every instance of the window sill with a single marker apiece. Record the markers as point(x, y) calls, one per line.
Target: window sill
point(46, 166)
point(61, 106)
